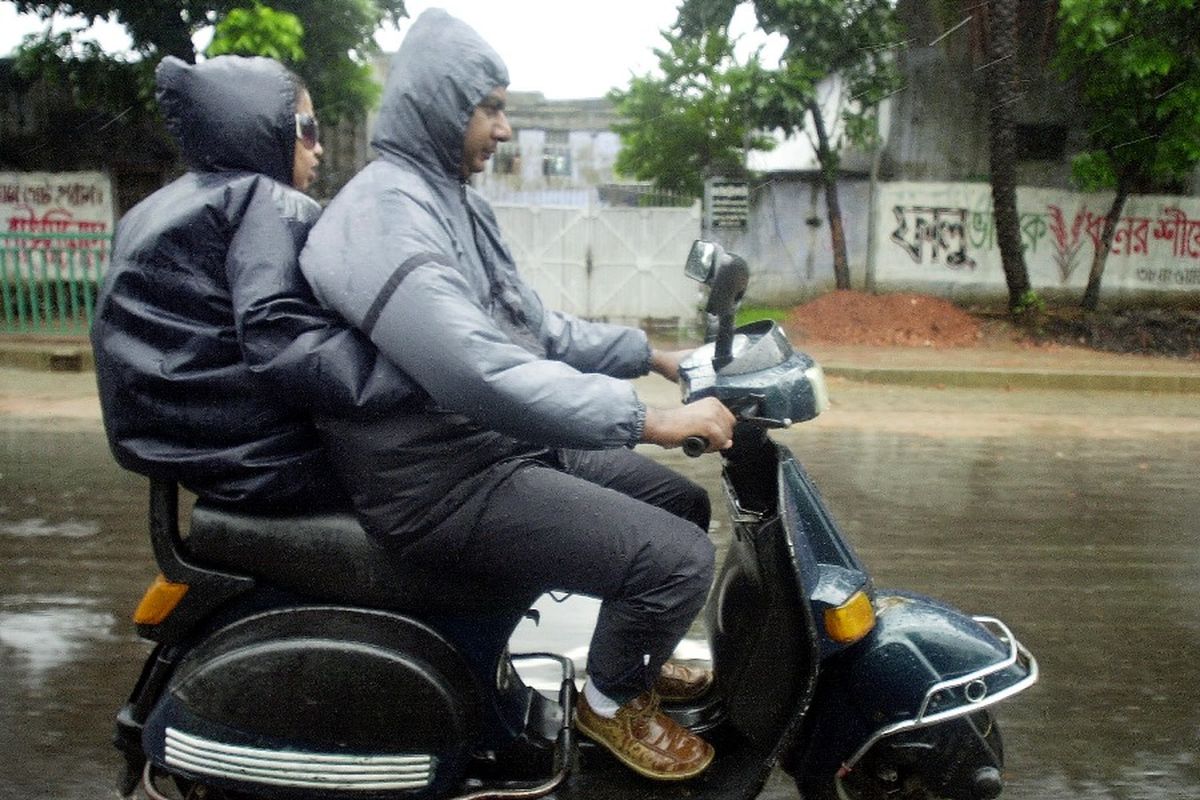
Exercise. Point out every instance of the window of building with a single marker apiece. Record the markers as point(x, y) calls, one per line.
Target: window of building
point(507, 160)
point(556, 154)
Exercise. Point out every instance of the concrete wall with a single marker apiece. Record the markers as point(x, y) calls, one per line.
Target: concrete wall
point(939, 238)
point(786, 239)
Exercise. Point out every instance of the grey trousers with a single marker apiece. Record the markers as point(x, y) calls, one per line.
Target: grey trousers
point(611, 524)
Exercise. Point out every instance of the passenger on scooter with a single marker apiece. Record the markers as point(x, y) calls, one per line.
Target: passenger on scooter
point(211, 351)
point(518, 471)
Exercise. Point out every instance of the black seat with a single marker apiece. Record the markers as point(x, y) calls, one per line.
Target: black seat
point(329, 557)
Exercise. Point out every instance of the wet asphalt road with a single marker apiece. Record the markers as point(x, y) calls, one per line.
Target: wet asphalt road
point(1071, 517)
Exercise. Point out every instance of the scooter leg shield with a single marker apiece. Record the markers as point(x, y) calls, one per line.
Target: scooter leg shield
point(300, 702)
point(915, 694)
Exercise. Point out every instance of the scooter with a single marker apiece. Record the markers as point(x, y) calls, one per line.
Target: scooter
point(286, 665)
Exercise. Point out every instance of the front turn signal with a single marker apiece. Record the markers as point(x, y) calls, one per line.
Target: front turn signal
point(159, 601)
point(852, 620)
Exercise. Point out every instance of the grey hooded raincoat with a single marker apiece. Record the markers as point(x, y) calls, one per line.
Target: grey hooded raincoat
point(413, 257)
point(516, 473)
point(211, 352)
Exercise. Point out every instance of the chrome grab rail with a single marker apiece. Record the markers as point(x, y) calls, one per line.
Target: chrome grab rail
point(923, 719)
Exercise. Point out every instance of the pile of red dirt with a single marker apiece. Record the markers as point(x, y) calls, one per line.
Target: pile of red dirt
point(905, 319)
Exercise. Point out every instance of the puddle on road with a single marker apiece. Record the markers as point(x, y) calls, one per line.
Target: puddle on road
point(47, 633)
point(67, 529)
point(1092, 557)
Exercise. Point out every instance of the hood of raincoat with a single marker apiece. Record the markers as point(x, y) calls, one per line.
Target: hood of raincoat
point(442, 70)
point(230, 113)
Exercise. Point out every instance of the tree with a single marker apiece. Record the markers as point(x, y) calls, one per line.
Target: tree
point(1138, 67)
point(850, 40)
point(261, 31)
point(334, 56)
point(1006, 45)
point(1002, 151)
point(688, 124)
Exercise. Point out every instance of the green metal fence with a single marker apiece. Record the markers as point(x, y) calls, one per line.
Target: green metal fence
point(48, 281)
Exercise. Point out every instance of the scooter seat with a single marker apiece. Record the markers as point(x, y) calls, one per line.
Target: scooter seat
point(329, 557)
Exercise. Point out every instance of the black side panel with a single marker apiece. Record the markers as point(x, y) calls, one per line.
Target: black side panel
point(327, 681)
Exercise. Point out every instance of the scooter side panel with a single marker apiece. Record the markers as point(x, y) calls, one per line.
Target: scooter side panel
point(368, 700)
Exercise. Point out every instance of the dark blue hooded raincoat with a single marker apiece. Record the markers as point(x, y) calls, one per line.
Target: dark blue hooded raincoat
point(211, 353)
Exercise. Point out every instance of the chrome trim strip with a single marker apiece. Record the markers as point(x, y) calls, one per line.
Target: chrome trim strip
point(1017, 651)
point(297, 768)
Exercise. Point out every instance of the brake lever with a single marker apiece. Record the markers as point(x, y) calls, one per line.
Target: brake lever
point(767, 422)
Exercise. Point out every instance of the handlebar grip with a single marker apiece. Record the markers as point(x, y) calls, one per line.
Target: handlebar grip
point(695, 446)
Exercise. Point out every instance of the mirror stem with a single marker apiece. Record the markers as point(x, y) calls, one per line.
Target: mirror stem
point(723, 348)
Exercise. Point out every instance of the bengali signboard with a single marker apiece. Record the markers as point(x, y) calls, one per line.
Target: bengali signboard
point(945, 234)
point(60, 204)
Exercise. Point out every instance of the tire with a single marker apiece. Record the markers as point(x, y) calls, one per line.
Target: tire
point(899, 767)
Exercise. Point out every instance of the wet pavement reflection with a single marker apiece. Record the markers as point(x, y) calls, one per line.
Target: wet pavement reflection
point(1088, 548)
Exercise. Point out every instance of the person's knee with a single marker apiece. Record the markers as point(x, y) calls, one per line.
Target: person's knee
point(673, 562)
point(684, 586)
point(697, 565)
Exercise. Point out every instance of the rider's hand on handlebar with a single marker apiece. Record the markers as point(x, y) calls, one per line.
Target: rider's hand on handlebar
point(707, 418)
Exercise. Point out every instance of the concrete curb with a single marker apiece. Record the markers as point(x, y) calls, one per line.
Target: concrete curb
point(71, 355)
point(991, 378)
point(65, 356)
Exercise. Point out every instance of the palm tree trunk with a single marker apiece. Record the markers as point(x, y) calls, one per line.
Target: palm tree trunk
point(1003, 148)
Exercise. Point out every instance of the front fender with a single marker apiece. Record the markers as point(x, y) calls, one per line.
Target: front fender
point(923, 664)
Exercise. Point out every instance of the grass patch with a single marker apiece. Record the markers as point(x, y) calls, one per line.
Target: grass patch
point(747, 314)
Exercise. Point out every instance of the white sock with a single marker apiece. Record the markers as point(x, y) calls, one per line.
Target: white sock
point(602, 704)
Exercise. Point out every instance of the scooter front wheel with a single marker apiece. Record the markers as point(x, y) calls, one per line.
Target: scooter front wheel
point(153, 788)
point(958, 760)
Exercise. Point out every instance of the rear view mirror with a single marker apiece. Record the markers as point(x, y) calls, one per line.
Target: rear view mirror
point(726, 275)
point(727, 285)
point(701, 261)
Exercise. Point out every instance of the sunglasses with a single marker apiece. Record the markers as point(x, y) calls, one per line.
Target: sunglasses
point(307, 130)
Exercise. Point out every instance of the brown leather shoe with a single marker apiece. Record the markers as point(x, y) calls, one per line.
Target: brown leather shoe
point(676, 682)
point(644, 739)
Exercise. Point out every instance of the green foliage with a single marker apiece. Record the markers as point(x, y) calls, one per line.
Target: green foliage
point(705, 110)
point(747, 314)
point(96, 80)
point(690, 122)
point(331, 48)
point(259, 31)
point(1029, 304)
point(1093, 171)
point(1138, 68)
point(852, 39)
point(339, 45)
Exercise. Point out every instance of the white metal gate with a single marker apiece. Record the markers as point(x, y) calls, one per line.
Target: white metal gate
point(618, 264)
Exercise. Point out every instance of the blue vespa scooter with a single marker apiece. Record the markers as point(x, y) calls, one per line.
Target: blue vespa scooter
point(296, 658)
point(891, 690)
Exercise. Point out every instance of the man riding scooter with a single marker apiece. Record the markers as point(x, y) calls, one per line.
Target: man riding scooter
point(516, 470)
